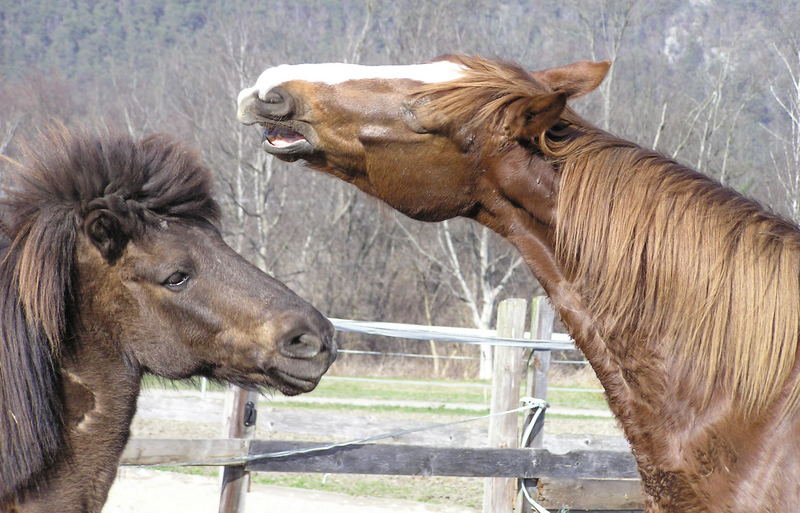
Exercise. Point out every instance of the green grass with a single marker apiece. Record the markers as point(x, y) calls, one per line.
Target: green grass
point(439, 410)
point(586, 400)
point(396, 390)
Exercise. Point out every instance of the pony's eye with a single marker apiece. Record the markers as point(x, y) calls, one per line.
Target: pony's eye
point(176, 279)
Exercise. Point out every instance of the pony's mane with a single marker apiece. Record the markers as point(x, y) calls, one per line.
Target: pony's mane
point(666, 257)
point(66, 176)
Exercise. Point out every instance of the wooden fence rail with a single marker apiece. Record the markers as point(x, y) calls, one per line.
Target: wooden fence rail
point(388, 459)
point(609, 478)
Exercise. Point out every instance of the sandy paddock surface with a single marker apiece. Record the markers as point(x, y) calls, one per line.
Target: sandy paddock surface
point(153, 491)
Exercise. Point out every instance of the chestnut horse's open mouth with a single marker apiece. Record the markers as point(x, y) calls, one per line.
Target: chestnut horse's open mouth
point(281, 139)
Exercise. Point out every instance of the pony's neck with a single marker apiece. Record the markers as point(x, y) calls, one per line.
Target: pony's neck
point(99, 397)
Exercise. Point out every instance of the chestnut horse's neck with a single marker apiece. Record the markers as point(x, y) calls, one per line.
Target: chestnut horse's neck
point(99, 400)
point(518, 198)
point(644, 290)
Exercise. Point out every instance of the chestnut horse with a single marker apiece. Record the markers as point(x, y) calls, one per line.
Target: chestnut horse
point(683, 295)
point(112, 266)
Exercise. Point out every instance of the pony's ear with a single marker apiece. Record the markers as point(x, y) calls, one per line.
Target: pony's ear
point(105, 231)
point(574, 79)
point(528, 118)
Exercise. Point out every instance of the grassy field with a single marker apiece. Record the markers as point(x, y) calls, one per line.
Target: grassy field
point(394, 389)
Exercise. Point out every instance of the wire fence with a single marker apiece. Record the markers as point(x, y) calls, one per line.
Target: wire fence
point(458, 335)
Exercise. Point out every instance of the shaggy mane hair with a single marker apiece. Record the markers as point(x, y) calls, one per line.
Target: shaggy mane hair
point(664, 257)
point(65, 177)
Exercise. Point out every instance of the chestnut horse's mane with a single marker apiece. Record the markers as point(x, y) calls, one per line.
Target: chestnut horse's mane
point(680, 265)
point(67, 175)
point(476, 105)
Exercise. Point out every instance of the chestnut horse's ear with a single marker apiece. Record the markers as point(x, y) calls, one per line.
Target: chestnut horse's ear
point(528, 118)
point(105, 231)
point(574, 79)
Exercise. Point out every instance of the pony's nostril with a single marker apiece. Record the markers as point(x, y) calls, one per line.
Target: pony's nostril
point(307, 345)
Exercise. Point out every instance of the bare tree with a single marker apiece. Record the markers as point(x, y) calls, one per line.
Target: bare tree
point(786, 158)
point(476, 267)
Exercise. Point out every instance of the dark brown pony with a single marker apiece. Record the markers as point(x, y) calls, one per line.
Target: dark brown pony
point(112, 266)
point(684, 295)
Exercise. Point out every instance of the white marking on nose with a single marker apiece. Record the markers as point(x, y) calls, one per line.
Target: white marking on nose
point(374, 131)
point(336, 73)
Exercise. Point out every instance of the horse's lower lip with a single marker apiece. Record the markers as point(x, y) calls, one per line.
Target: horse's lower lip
point(281, 140)
point(296, 383)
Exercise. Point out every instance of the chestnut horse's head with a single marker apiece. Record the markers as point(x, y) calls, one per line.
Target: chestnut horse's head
point(114, 243)
point(414, 136)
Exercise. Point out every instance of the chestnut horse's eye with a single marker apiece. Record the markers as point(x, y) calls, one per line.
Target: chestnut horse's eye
point(176, 280)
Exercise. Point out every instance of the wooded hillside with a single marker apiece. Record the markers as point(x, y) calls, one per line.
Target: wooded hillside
point(712, 83)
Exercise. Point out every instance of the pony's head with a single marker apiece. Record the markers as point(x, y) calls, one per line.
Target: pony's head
point(117, 240)
point(414, 136)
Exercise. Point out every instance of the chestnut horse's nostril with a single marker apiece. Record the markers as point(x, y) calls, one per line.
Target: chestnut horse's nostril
point(307, 345)
point(275, 104)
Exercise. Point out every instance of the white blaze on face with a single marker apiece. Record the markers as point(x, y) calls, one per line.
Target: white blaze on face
point(336, 73)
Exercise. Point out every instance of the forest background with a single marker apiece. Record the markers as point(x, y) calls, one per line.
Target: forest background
point(713, 84)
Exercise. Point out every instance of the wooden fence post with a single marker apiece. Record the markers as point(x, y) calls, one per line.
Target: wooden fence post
point(499, 493)
point(240, 423)
point(542, 316)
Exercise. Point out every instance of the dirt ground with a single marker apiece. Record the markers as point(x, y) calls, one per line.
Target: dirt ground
point(153, 491)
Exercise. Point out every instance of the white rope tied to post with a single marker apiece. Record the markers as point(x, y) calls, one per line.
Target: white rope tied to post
point(540, 405)
point(528, 403)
